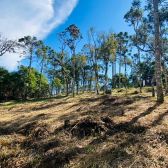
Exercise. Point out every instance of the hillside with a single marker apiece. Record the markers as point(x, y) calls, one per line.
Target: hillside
point(88, 131)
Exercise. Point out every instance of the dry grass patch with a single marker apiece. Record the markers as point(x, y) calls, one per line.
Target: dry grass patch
point(115, 130)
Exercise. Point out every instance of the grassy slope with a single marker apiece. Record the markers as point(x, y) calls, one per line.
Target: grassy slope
point(104, 131)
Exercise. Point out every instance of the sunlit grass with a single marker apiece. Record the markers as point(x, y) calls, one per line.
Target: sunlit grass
point(114, 145)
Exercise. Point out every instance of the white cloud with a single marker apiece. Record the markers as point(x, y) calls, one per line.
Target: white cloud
point(38, 18)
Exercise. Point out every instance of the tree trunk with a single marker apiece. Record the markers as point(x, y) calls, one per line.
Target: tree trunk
point(67, 87)
point(73, 87)
point(125, 74)
point(165, 74)
point(160, 97)
point(91, 79)
point(153, 90)
point(164, 69)
point(28, 76)
point(105, 84)
point(115, 74)
point(83, 84)
point(120, 70)
point(77, 87)
point(97, 81)
point(139, 61)
point(40, 81)
point(112, 79)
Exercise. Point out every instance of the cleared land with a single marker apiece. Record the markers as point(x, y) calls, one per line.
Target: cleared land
point(115, 130)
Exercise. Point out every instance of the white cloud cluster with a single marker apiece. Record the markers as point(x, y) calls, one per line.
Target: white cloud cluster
point(38, 18)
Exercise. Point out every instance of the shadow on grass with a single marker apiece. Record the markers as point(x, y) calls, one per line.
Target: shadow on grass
point(32, 100)
point(50, 156)
point(160, 119)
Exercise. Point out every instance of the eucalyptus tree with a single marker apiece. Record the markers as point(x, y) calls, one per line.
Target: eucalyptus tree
point(42, 53)
point(108, 53)
point(51, 69)
point(83, 68)
point(57, 84)
point(64, 61)
point(89, 52)
point(125, 49)
point(123, 41)
point(30, 45)
point(73, 36)
point(134, 16)
point(62, 57)
point(94, 45)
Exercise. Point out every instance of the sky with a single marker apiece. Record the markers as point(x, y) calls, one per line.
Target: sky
point(45, 18)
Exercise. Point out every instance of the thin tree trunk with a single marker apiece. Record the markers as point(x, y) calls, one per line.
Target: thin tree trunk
point(91, 73)
point(105, 84)
point(153, 90)
point(28, 76)
point(164, 69)
point(125, 74)
point(73, 87)
point(40, 81)
point(115, 74)
point(67, 87)
point(83, 88)
point(160, 97)
point(139, 61)
point(120, 69)
point(97, 81)
point(77, 87)
point(112, 79)
point(165, 74)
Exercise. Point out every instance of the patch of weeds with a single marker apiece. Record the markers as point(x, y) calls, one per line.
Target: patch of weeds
point(89, 148)
point(136, 129)
point(119, 153)
point(93, 165)
point(128, 140)
point(86, 148)
point(97, 135)
point(35, 160)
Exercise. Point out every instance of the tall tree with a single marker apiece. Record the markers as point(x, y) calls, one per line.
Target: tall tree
point(108, 53)
point(89, 51)
point(95, 37)
point(160, 97)
point(30, 45)
point(134, 17)
point(73, 36)
point(42, 54)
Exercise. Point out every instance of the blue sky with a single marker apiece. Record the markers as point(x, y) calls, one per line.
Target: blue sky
point(44, 18)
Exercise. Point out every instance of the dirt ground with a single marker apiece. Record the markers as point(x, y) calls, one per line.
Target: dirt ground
point(88, 131)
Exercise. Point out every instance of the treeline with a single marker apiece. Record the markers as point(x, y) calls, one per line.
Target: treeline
point(88, 70)
point(13, 85)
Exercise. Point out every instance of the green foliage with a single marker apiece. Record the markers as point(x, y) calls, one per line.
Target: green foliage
point(13, 85)
point(98, 86)
point(122, 80)
point(57, 83)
